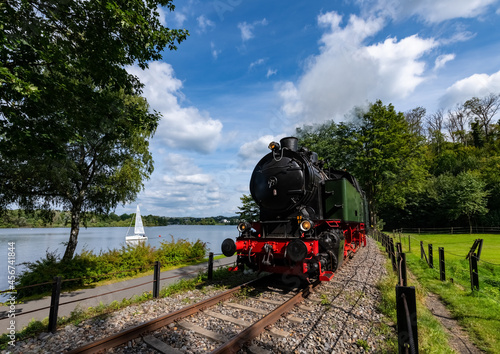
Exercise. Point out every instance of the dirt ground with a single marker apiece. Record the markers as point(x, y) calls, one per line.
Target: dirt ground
point(459, 340)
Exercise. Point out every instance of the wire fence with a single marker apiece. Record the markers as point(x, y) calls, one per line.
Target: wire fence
point(156, 281)
point(466, 270)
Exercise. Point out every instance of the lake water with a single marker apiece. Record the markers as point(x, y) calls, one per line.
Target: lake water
point(32, 244)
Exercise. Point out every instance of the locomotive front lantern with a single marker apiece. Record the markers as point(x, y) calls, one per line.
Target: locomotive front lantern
point(244, 226)
point(305, 225)
point(274, 146)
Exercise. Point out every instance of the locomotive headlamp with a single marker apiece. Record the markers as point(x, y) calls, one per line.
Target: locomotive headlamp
point(244, 226)
point(305, 225)
point(274, 146)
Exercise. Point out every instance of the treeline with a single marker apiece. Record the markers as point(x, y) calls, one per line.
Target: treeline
point(419, 169)
point(57, 218)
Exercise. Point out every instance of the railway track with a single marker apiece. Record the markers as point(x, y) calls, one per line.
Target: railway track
point(276, 301)
point(339, 316)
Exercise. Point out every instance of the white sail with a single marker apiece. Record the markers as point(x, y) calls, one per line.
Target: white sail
point(139, 227)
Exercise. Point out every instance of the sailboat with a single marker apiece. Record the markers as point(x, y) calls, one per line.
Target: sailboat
point(139, 234)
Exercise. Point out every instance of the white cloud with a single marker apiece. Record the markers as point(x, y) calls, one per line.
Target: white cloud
point(181, 127)
point(431, 11)
point(204, 23)
point(477, 85)
point(180, 187)
point(257, 62)
point(348, 72)
point(271, 72)
point(247, 29)
point(442, 60)
point(442, 10)
point(251, 152)
point(215, 52)
point(399, 68)
point(180, 18)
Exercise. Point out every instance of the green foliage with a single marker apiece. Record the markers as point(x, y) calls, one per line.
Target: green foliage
point(379, 149)
point(249, 210)
point(363, 344)
point(85, 127)
point(413, 180)
point(462, 195)
point(89, 268)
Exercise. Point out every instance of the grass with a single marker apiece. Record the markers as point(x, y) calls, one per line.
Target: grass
point(477, 311)
point(222, 278)
point(432, 338)
point(459, 244)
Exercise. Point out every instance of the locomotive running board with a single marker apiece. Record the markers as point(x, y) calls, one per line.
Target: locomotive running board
point(326, 276)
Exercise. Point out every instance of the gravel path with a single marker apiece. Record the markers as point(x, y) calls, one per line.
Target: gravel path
point(340, 317)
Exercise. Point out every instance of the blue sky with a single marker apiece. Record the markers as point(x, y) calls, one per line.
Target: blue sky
point(252, 71)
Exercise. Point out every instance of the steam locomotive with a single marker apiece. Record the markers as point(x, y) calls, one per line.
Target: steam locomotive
point(311, 219)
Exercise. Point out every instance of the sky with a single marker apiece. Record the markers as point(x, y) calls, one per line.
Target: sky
point(252, 71)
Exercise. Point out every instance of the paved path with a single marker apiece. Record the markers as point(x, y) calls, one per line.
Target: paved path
point(104, 292)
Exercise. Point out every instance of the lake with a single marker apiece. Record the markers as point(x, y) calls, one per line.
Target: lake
point(32, 244)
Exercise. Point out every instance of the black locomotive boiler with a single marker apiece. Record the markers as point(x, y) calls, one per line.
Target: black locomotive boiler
point(311, 219)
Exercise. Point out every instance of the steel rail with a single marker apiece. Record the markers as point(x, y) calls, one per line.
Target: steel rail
point(237, 342)
point(156, 323)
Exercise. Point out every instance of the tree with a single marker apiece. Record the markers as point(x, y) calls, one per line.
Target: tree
point(435, 130)
point(379, 148)
point(458, 121)
point(249, 210)
point(415, 119)
point(74, 128)
point(462, 195)
point(389, 160)
point(483, 110)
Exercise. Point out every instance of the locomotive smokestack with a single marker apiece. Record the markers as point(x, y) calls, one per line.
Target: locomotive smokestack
point(291, 143)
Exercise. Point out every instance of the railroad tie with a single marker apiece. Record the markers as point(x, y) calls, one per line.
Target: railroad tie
point(160, 346)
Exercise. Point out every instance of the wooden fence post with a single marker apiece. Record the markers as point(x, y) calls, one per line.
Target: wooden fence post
point(393, 256)
point(409, 244)
point(474, 275)
point(431, 257)
point(54, 304)
point(442, 271)
point(479, 249)
point(403, 279)
point(399, 247)
point(210, 265)
point(156, 280)
point(406, 308)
